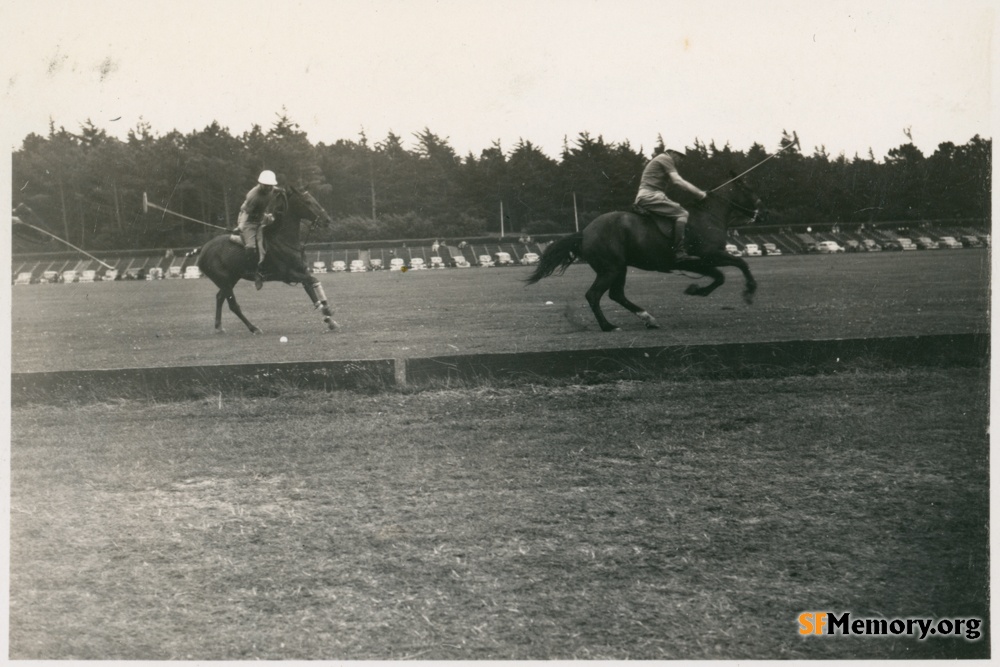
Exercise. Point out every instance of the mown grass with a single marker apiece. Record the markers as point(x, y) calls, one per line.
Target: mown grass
point(434, 313)
point(645, 520)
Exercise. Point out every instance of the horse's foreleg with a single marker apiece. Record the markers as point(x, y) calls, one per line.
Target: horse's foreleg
point(601, 285)
point(219, 298)
point(717, 280)
point(314, 289)
point(749, 284)
point(711, 270)
point(617, 294)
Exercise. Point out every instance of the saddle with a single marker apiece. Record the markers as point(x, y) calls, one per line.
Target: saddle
point(646, 214)
point(237, 238)
point(638, 209)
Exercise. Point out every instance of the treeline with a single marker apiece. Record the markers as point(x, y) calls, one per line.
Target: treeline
point(88, 186)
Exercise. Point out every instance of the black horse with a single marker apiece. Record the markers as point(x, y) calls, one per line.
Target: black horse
point(612, 242)
point(224, 260)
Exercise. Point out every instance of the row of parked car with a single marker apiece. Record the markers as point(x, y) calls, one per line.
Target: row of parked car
point(498, 259)
point(319, 266)
point(902, 243)
point(868, 245)
point(418, 263)
point(753, 250)
point(94, 276)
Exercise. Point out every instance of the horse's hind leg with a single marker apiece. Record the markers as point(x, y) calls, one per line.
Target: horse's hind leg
point(617, 294)
point(601, 285)
point(314, 289)
point(228, 296)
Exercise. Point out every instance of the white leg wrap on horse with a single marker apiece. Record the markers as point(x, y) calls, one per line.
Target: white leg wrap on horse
point(320, 294)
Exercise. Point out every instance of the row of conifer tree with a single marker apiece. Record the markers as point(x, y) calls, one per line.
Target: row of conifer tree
point(87, 186)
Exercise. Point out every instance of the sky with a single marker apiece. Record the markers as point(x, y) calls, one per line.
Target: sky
point(847, 76)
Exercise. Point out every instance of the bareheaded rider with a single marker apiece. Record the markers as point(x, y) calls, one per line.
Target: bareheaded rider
point(254, 215)
point(659, 177)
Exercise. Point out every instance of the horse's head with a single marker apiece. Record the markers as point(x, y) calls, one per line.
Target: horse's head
point(744, 204)
point(305, 207)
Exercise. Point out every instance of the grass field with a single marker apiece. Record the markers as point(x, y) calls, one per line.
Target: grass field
point(434, 313)
point(632, 520)
point(643, 520)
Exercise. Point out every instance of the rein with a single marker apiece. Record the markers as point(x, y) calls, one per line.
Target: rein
point(745, 210)
point(311, 223)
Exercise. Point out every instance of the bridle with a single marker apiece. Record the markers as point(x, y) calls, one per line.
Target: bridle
point(752, 213)
point(316, 215)
point(281, 207)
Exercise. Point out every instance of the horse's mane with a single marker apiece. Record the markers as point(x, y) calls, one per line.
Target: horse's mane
point(280, 200)
point(285, 231)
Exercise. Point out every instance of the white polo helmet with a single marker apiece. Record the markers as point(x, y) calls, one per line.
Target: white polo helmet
point(267, 177)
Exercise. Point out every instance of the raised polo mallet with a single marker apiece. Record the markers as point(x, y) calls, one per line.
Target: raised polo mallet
point(146, 205)
point(788, 143)
point(18, 221)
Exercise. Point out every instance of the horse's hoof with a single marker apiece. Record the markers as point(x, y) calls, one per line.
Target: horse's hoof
point(652, 325)
point(332, 326)
point(220, 330)
point(256, 332)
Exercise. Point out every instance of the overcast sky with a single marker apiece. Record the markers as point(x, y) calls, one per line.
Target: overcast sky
point(847, 75)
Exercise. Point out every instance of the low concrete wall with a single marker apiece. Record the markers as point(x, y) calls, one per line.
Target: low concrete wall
point(730, 360)
point(736, 359)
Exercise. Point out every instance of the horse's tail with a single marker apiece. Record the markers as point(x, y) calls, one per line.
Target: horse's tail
point(557, 257)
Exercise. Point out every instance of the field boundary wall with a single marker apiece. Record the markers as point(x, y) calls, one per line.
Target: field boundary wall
point(733, 360)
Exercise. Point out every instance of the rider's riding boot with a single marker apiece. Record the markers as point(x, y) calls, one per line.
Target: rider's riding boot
point(680, 252)
point(258, 279)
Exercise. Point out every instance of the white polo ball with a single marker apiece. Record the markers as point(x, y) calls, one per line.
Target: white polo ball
point(283, 339)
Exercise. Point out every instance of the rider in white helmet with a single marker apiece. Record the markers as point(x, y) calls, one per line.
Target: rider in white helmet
point(254, 215)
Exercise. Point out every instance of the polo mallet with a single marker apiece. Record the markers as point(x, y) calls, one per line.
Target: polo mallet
point(81, 250)
point(146, 205)
point(794, 141)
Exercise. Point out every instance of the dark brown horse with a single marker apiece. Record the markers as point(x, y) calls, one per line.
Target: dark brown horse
point(224, 260)
point(615, 241)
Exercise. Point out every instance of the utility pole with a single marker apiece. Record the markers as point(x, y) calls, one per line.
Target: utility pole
point(371, 180)
point(576, 217)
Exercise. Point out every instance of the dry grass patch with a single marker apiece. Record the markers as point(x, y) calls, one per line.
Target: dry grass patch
point(638, 520)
